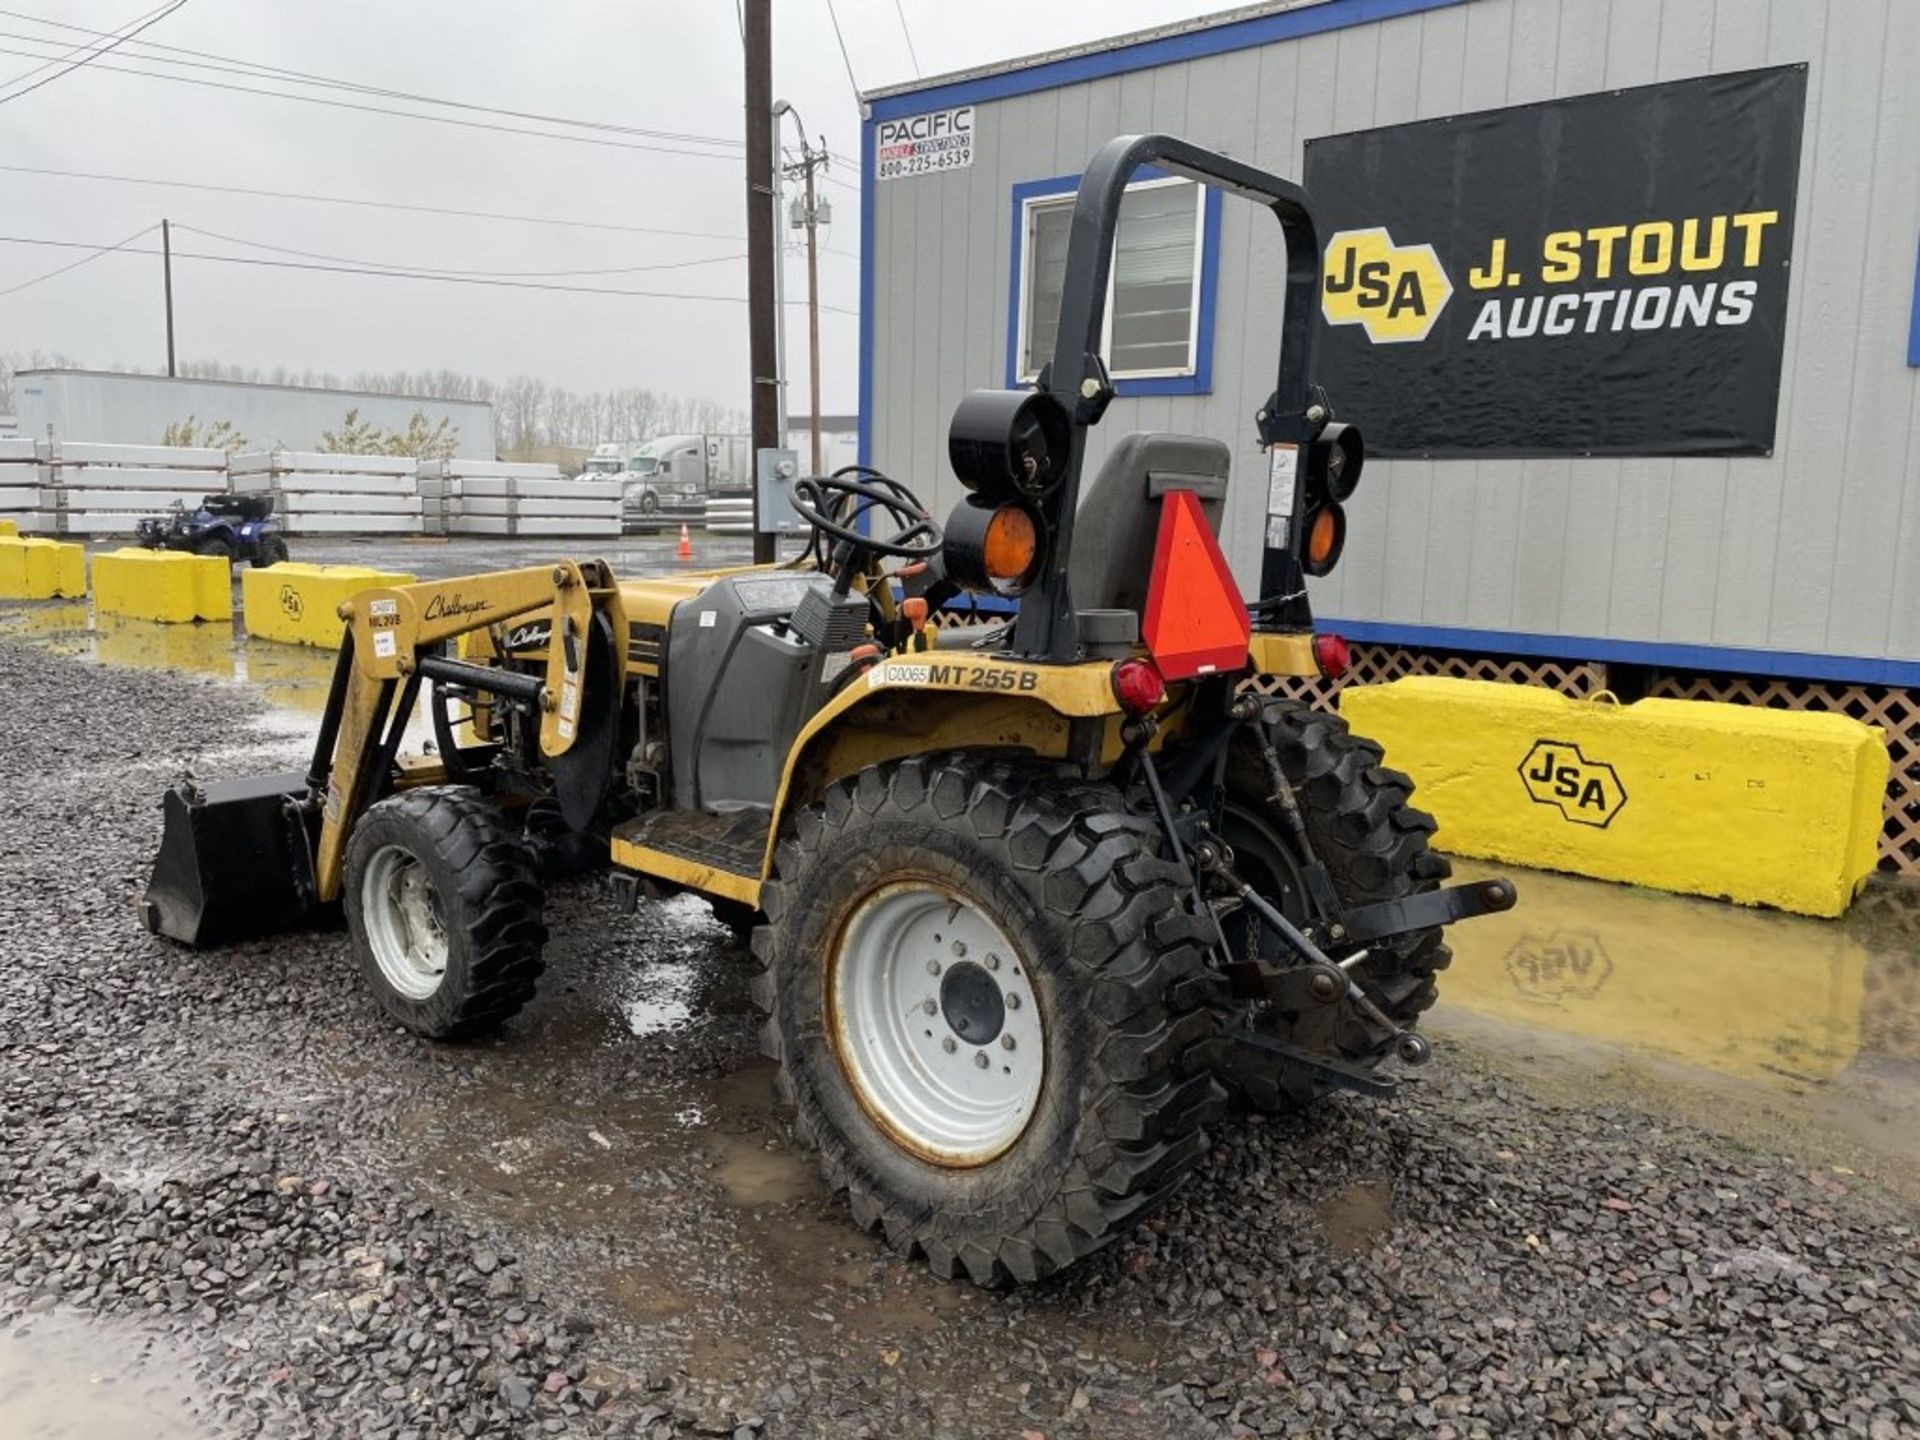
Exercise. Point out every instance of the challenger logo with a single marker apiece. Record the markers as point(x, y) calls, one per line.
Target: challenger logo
point(1394, 292)
point(452, 607)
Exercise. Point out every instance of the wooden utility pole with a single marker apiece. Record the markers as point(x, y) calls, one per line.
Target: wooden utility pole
point(811, 161)
point(814, 160)
point(166, 267)
point(763, 340)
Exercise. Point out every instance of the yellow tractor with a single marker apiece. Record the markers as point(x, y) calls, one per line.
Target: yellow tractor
point(1032, 897)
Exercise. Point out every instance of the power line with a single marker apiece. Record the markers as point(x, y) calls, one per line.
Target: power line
point(500, 284)
point(400, 114)
point(845, 58)
point(234, 65)
point(83, 260)
point(94, 53)
point(900, 10)
point(398, 266)
point(78, 49)
point(363, 203)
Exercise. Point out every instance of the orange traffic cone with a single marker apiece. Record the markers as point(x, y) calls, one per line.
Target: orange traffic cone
point(685, 552)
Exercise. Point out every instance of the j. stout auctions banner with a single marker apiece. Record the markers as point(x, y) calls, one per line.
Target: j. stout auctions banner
point(1604, 275)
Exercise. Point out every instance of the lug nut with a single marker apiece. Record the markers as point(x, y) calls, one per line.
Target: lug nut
point(933, 967)
point(1013, 1002)
point(930, 1007)
point(959, 949)
point(948, 1045)
point(993, 961)
point(1006, 1042)
point(980, 1059)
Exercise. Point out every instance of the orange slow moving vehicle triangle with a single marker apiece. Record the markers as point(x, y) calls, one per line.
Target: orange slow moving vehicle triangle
point(1196, 622)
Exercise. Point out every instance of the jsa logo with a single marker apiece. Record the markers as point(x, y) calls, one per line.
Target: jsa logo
point(1584, 790)
point(1396, 292)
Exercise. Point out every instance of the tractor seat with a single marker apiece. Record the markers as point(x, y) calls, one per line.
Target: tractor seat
point(1119, 517)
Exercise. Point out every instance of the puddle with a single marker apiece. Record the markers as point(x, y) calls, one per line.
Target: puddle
point(1355, 1216)
point(1811, 1027)
point(63, 1378)
point(753, 1174)
point(1751, 993)
point(663, 999)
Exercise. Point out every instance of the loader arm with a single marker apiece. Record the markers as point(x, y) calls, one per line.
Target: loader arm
point(382, 664)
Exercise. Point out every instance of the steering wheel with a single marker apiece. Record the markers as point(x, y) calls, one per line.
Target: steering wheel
point(835, 504)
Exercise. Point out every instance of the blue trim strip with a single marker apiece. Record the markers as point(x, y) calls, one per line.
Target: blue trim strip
point(865, 451)
point(1198, 383)
point(1169, 50)
point(1913, 335)
point(1788, 664)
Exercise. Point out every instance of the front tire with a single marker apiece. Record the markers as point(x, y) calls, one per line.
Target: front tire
point(443, 907)
point(1054, 925)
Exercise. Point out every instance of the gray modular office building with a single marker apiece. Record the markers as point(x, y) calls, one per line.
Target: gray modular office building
point(1644, 351)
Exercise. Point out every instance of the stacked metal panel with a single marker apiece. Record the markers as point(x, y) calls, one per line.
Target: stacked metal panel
point(319, 494)
point(91, 489)
point(20, 487)
point(730, 514)
point(492, 497)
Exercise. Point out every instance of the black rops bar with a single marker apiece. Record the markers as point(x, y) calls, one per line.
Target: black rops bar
point(1046, 627)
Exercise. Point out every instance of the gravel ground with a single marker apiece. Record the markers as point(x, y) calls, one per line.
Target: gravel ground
point(598, 1225)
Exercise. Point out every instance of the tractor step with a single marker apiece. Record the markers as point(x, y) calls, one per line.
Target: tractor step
point(716, 854)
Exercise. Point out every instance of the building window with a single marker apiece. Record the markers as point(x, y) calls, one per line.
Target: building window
point(1159, 287)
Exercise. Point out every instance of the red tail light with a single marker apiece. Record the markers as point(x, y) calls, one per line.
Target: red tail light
point(1332, 654)
point(1137, 686)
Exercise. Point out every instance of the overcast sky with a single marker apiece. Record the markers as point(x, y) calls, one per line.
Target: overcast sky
point(668, 67)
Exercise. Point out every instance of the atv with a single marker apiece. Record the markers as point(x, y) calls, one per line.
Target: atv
point(1033, 897)
point(239, 527)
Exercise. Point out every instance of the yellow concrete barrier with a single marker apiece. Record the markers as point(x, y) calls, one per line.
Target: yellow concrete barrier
point(9, 527)
point(300, 604)
point(164, 585)
point(1764, 807)
point(34, 569)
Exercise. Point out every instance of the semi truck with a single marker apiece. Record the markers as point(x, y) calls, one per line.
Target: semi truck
point(678, 474)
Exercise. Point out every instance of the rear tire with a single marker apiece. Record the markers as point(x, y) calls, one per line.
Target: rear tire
point(1374, 843)
point(270, 552)
point(444, 910)
point(985, 1171)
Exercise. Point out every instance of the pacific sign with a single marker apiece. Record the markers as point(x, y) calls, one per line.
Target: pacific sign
point(924, 144)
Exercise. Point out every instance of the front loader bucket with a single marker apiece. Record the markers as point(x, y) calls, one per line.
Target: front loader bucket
point(236, 861)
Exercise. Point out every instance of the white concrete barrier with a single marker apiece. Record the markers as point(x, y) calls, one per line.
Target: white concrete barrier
point(93, 489)
point(480, 497)
point(321, 494)
point(20, 483)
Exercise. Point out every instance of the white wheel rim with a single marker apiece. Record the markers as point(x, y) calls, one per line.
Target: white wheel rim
point(401, 915)
point(934, 1021)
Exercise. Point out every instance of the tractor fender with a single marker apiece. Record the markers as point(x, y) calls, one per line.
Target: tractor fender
point(982, 703)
